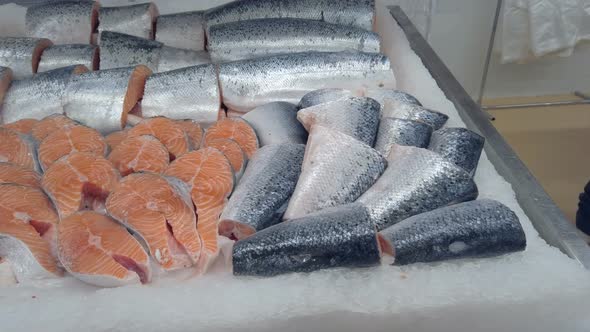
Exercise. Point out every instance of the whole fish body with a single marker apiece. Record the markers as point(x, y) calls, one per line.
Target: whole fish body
point(182, 30)
point(417, 113)
point(415, 181)
point(58, 56)
point(246, 84)
point(401, 132)
point(135, 20)
point(321, 96)
point(63, 22)
point(276, 123)
point(357, 13)
point(262, 37)
point(5, 80)
point(265, 187)
point(354, 116)
point(461, 146)
point(22, 54)
point(480, 228)
point(341, 236)
point(101, 99)
point(186, 93)
point(38, 96)
point(336, 170)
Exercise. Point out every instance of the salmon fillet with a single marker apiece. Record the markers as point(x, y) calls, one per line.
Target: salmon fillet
point(236, 129)
point(193, 130)
point(28, 232)
point(11, 173)
point(79, 181)
point(17, 149)
point(140, 154)
point(232, 151)
point(49, 125)
point(210, 177)
point(71, 139)
point(24, 126)
point(165, 130)
point(113, 139)
point(99, 251)
point(158, 209)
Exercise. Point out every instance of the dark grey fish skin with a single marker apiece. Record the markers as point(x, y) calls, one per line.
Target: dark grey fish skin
point(58, 56)
point(323, 96)
point(391, 99)
point(22, 54)
point(401, 132)
point(276, 123)
point(357, 13)
point(267, 184)
point(336, 170)
point(263, 37)
point(416, 113)
point(335, 237)
point(135, 20)
point(354, 116)
point(182, 30)
point(481, 228)
point(63, 22)
point(460, 146)
point(122, 50)
point(415, 181)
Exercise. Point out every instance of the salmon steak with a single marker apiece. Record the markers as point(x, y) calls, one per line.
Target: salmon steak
point(159, 210)
point(233, 152)
point(140, 154)
point(12, 173)
point(24, 126)
point(17, 149)
point(72, 139)
point(210, 177)
point(28, 232)
point(97, 250)
point(113, 139)
point(236, 129)
point(165, 130)
point(79, 181)
point(193, 130)
point(49, 125)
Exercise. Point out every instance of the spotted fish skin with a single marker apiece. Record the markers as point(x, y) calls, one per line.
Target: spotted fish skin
point(335, 237)
point(355, 13)
point(391, 99)
point(415, 181)
point(135, 20)
point(122, 50)
point(266, 186)
point(276, 123)
point(182, 30)
point(186, 93)
point(336, 170)
point(401, 132)
point(458, 145)
point(254, 38)
point(246, 84)
point(417, 113)
point(174, 58)
point(64, 22)
point(321, 96)
point(354, 116)
point(58, 56)
point(22, 54)
point(480, 228)
point(5, 80)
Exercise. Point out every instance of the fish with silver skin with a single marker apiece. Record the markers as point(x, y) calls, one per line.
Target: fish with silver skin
point(102, 99)
point(390, 99)
point(182, 30)
point(340, 236)
point(357, 13)
point(401, 132)
point(22, 54)
point(417, 113)
point(460, 146)
point(63, 22)
point(265, 187)
point(5, 80)
point(336, 170)
point(481, 228)
point(171, 58)
point(416, 181)
point(323, 96)
point(357, 117)
point(263, 37)
point(276, 123)
point(186, 93)
point(38, 96)
point(58, 56)
point(246, 84)
point(135, 20)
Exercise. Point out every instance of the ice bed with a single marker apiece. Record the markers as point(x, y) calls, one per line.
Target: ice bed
point(540, 289)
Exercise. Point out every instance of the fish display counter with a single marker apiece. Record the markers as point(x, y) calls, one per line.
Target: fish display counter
point(545, 287)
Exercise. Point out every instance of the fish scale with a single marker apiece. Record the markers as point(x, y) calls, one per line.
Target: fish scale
point(136, 20)
point(58, 56)
point(22, 54)
point(458, 145)
point(182, 30)
point(414, 112)
point(391, 99)
point(401, 132)
point(276, 123)
point(322, 96)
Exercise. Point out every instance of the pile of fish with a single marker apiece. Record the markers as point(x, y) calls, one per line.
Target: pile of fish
point(293, 144)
